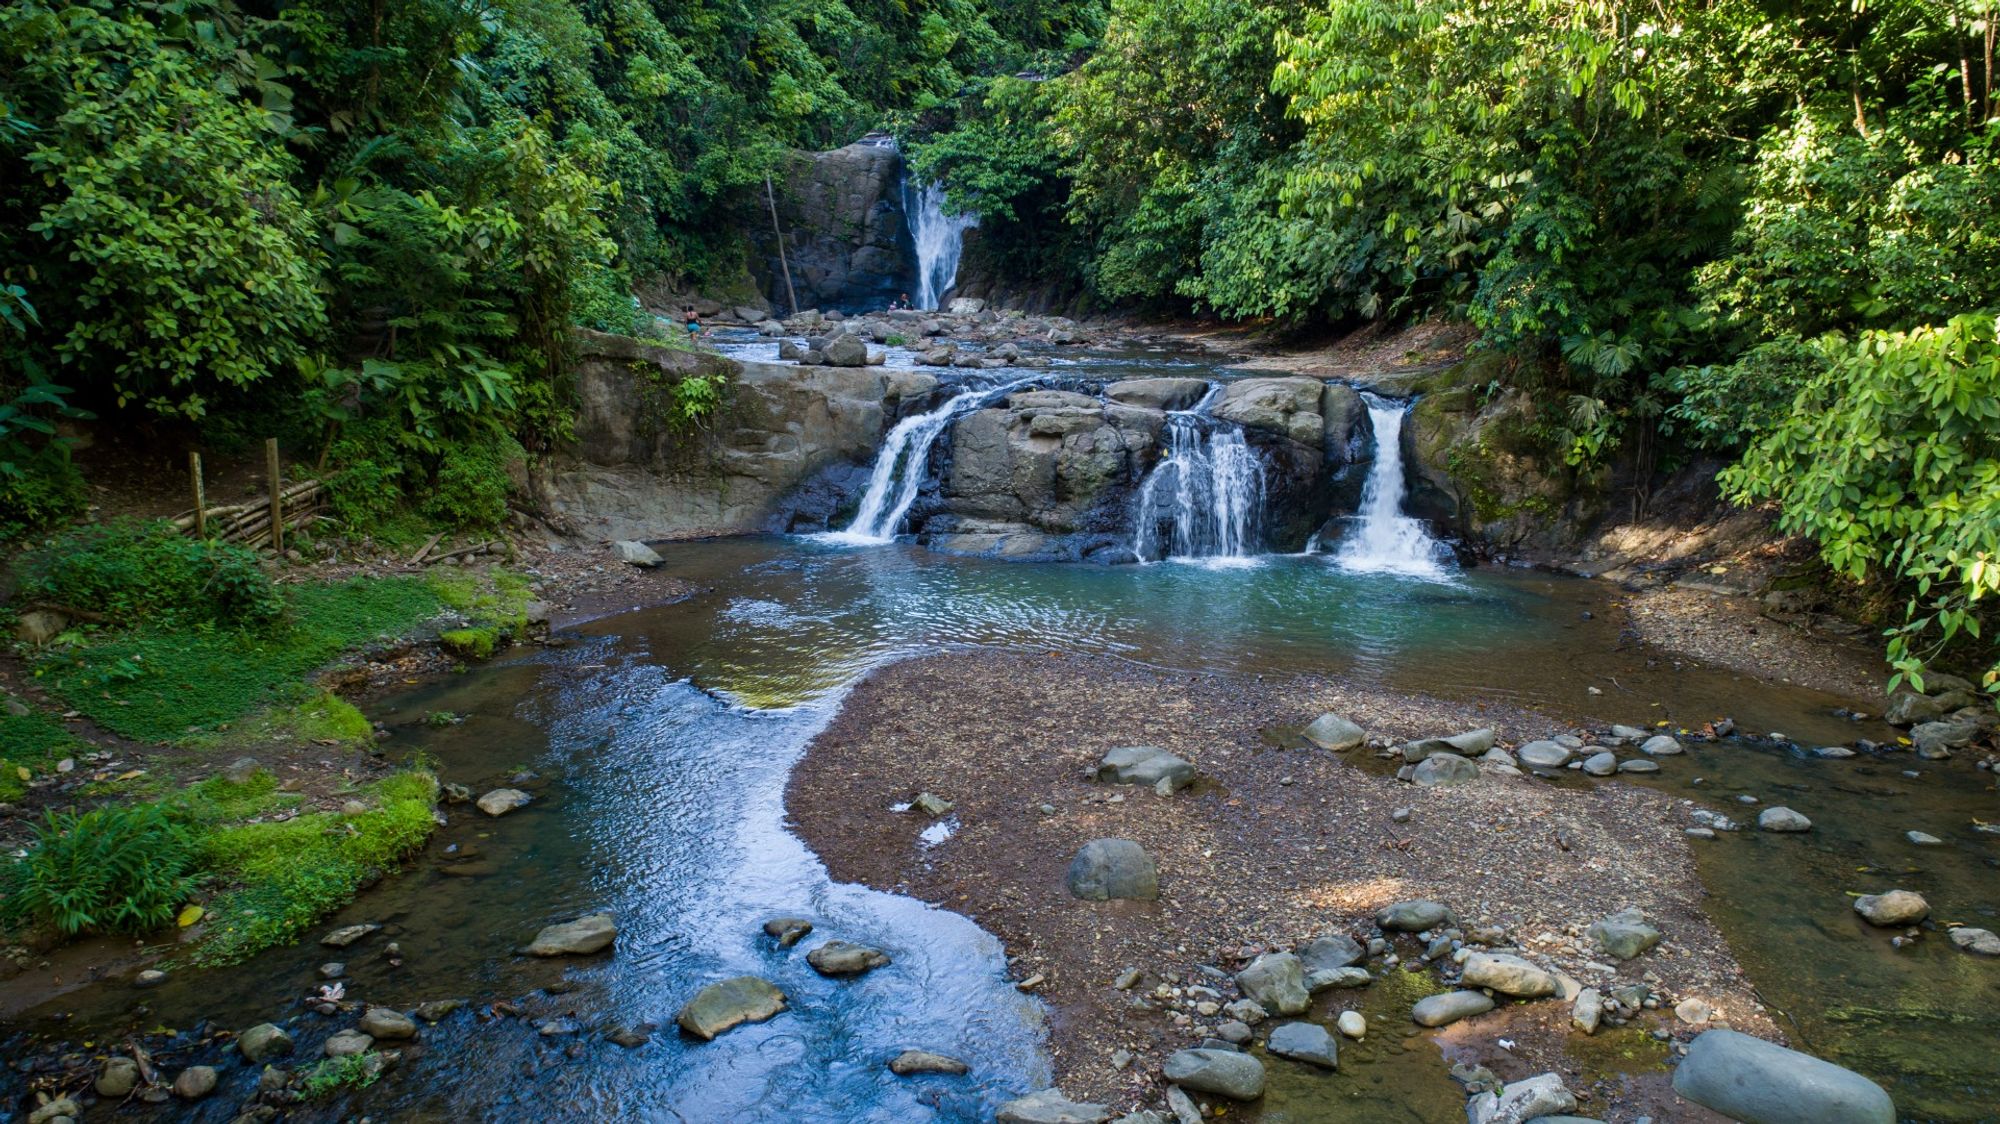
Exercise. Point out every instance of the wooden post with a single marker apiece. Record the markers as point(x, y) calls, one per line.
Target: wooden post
point(772, 198)
point(200, 496)
point(277, 496)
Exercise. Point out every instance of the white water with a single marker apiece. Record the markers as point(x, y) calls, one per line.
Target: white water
point(1384, 539)
point(1209, 488)
point(890, 493)
point(939, 238)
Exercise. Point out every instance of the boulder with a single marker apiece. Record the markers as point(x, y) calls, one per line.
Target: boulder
point(844, 350)
point(1624, 934)
point(1587, 1011)
point(1758, 1082)
point(635, 553)
point(1532, 1098)
point(1414, 916)
point(1224, 1073)
point(1305, 1042)
point(62, 1110)
point(348, 934)
point(1050, 1107)
point(1909, 708)
point(1337, 979)
point(1601, 764)
point(1276, 981)
point(912, 1062)
point(1661, 745)
point(1285, 406)
point(265, 1040)
point(1508, 975)
point(1332, 732)
point(39, 626)
point(1144, 765)
point(1544, 755)
point(1780, 818)
point(787, 931)
point(1158, 394)
point(1979, 942)
point(580, 937)
point(1104, 869)
point(117, 1079)
point(1333, 950)
point(501, 801)
point(347, 1044)
point(1472, 743)
point(1935, 740)
point(195, 1082)
point(845, 958)
point(728, 1004)
point(931, 804)
point(1442, 1010)
point(1441, 769)
point(383, 1022)
point(1894, 908)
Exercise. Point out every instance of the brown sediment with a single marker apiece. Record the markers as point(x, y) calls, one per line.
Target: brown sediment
point(1274, 846)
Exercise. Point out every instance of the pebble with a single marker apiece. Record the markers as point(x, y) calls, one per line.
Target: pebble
point(332, 970)
point(1923, 839)
point(1352, 1024)
point(1400, 815)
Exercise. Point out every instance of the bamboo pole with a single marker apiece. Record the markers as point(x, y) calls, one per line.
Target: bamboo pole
point(200, 497)
point(277, 495)
point(778, 232)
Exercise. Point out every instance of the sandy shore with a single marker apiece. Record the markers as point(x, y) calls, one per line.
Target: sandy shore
point(1276, 845)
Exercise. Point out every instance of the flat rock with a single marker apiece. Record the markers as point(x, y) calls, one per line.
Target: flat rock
point(1442, 1010)
point(1758, 1082)
point(1144, 765)
point(1661, 745)
point(1532, 1098)
point(635, 553)
point(1544, 754)
point(1332, 732)
point(1414, 916)
point(580, 937)
point(1894, 908)
point(1601, 764)
point(1336, 979)
point(1276, 981)
point(1782, 819)
point(912, 1062)
point(347, 1043)
point(1305, 1042)
point(845, 958)
point(1923, 839)
point(383, 1022)
point(1624, 934)
point(1333, 950)
point(728, 1004)
point(501, 801)
point(1223, 1073)
point(1639, 765)
point(1472, 743)
point(787, 931)
point(1979, 942)
point(1440, 769)
point(1508, 975)
point(1049, 1106)
point(348, 934)
point(1104, 869)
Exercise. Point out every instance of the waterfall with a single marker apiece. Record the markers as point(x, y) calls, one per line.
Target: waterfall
point(1384, 540)
point(1206, 491)
point(908, 446)
point(939, 239)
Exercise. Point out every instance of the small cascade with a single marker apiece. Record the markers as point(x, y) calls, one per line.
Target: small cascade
point(1203, 499)
point(939, 239)
point(1384, 540)
point(900, 467)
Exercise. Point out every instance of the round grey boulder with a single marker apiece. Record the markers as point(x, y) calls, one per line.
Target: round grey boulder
point(1276, 981)
point(1759, 1082)
point(1508, 975)
point(1624, 934)
point(1544, 755)
point(1442, 1010)
point(346, 1044)
point(1049, 1106)
point(1894, 908)
point(1104, 869)
point(265, 1040)
point(501, 801)
point(1224, 1073)
point(1413, 916)
point(1601, 764)
point(1440, 769)
point(1661, 745)
point(383, 1022)
point(1782, 819)
point(1639, 765)
point(1979, 942)
point(1332, 732)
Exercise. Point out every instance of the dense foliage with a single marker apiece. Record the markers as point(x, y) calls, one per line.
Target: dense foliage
point(110, 870)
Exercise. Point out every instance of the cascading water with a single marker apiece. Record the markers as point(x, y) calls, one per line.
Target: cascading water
point(1203, 498)
point(1384, 540)
point(939, 238)
point(908, 447)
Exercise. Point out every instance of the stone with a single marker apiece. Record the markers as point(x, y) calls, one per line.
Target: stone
point(1758, 1082)
point(1661, 745)
point(1892, 909)
point(1979, 942)
point(1627, 735)
point(195, 1082)
point(1908, 708)
point(1693, 1011)
point(117, 1079)
point(581, 937)
point(635, 553)
point(62, 1110)
point(845, 958)
point(1337, 979)
point(501, 801)
point(1440, 769)
point(1442, 1010)
point(348, 934)
point(241, 771)
point(1587, 1011)
point(844, 350)
point(332, 970)
point(1353, 1024)
point(347, 1043)
point(1472, 743)
point(1601, 764)
point(384, 1023)
point(1182, 1106)
point(1782, 819)
point(787, 931)
point(1544, 755)
point(1833, 752)
point(1276, 982)
point(39, 626)
point(1935, 740)
point(1158, 394)
point(1305, 1042)
point(1639, 765)
point(1333, 950)
point(912, 1062)
point(1223, 1073)
point(432, 1010)
point(1414, 916)
point(1508, 975)
point(1923, 839)
point(931, 804)
point(1104, 869)
point(263, 1041)
point(1332, 732)
point(1144, 765)
point(1624, 934)
point(728, 1004)
point(1049, 1106)
point(1532, 1098)
point(1246, 1010)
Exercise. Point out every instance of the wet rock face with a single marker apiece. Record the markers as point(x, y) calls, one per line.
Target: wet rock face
point(847, 236)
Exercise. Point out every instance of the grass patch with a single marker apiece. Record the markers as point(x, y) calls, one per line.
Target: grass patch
point(319, 717)
point(355, 1071)
point(33, 742)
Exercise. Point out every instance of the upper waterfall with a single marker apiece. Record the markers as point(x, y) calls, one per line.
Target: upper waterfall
point(939, 240)
point(1385, 540)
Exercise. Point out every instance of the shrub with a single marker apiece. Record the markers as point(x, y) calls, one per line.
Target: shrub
point(111, 870)
point(472, 484)
point(38, 491)
point(128, 570)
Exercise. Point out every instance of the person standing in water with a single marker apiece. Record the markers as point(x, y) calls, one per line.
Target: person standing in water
point(693, 324)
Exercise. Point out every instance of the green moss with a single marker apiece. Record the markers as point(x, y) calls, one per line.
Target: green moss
point(35, 742)
point(1626, 1050)
point(472, 643)
point(355, 1071)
